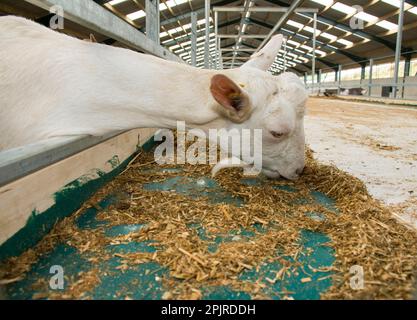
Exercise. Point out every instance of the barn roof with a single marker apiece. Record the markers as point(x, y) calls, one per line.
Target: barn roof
point(339, 41)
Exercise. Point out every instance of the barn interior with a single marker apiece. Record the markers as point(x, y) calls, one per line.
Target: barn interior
point(358, 61)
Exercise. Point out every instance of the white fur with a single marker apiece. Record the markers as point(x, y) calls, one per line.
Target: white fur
point(55, 85)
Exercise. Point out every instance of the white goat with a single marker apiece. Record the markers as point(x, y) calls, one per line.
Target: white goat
point(55, 85)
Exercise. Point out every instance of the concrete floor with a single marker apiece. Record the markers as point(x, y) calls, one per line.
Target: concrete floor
point(376, 143)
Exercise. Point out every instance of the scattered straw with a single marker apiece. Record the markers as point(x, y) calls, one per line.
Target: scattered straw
point(364, 233)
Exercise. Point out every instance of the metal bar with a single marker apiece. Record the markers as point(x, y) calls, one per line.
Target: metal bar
point(243, 36)
point(313, 67)
point(363, 72)
point(398, 46)
point(207, 33)
point(96, 18)
point(247, 4)
point(264, 9)
point(407, 66)
point(281, 21)
point(193, 38)
point(239, 58)
point(339, 78)
point(319, 81)
point(19, 162)
point(285, 54)
point(229, 63)
point(371, 68)
point(240, 49)
point(216, 30)
point(152, 20)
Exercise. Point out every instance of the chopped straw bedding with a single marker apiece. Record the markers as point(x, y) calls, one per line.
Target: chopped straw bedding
point(363, 233)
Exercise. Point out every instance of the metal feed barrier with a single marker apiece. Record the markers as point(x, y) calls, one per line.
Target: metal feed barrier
point(390, 88)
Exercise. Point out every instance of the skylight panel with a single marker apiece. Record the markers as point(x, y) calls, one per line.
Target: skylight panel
point(345, 42)
point(395, 3)
point(328, 36)
point(322, 53)
point(140, 14)
point(307, 47)
point(136, 15)
point(115, 2)
point(338, 6)
point(413, 10)
point(324, 2)
point(294, 43)
point(295, 24)
point(366, 17)
point(387, 25)
point(311, 30)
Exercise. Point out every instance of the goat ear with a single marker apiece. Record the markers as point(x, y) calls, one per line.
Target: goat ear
point(264, 58)
point(234, 103)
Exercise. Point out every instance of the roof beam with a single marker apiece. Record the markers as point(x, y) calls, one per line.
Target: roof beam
point(347, 28)
point(96, 18)
point(188, 36)
point(294, 5)
point(349, 55)
point(199, 11)
point(363, 34)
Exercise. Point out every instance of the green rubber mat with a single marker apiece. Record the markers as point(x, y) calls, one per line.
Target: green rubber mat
point(144, 280)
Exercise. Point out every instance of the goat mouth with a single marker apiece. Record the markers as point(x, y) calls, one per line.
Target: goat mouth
point(273, 174)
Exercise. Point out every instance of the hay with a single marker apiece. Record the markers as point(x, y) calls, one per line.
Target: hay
point(364, 233)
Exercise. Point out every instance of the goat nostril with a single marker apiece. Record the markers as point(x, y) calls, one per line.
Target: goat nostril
point(299, 171)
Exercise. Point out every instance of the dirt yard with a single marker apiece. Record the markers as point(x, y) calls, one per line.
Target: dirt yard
point(376, 143)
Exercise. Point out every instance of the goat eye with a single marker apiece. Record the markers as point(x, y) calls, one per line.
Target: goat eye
point(276, 134)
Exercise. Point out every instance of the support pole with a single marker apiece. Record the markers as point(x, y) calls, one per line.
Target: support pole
point(339, 78)
point(398, 47)
point(152, 20)
point(285, 54)
point(313, 68)
point(216, 39)
point(371, 69)
point(247, 4)
point(407, 66)
point(363, 72)
point(319, 81)
point(207, 40)
point(194, 38)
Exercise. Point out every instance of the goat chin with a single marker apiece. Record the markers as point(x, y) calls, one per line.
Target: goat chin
point(232, 162)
